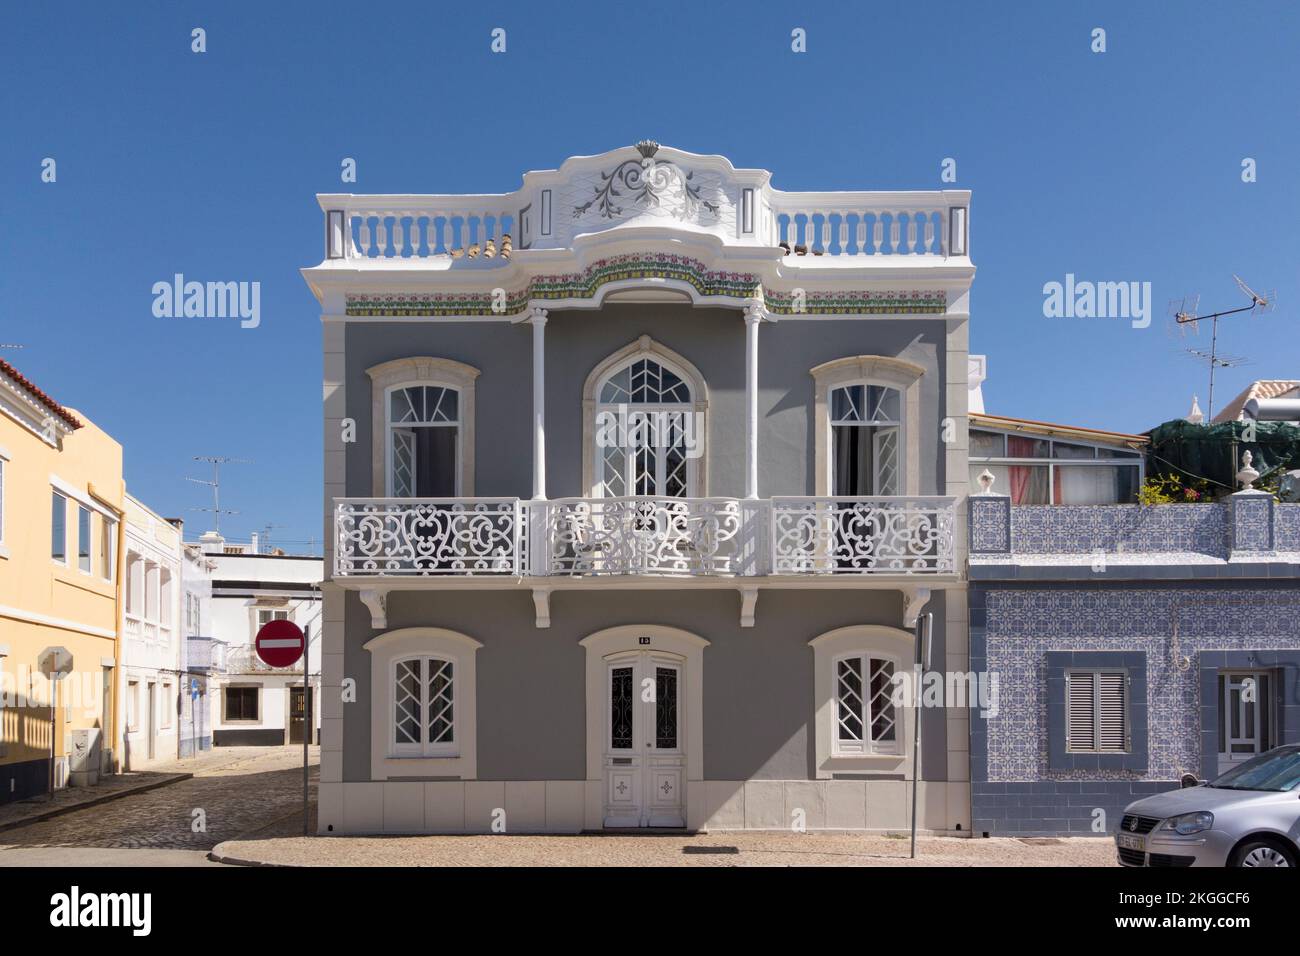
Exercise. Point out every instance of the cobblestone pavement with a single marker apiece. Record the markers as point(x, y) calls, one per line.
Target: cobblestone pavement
point(234, 792)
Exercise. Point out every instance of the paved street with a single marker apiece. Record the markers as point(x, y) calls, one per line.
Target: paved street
point(235, 792)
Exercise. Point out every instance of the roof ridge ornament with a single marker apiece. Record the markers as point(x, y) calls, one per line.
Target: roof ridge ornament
point(647, 148)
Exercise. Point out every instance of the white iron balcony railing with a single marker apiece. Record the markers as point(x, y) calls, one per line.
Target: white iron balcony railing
point(427, 536)
point(476, 537)
point(885, 535)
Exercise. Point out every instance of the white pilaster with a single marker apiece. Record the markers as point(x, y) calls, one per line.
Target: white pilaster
point(537, 319)
point(753, 316)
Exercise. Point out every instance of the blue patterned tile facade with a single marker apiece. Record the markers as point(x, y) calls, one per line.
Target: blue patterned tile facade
point(1252, 522)
point(1066, 529)
point(990, 524)
point(1023, 625)
point(1286, 527)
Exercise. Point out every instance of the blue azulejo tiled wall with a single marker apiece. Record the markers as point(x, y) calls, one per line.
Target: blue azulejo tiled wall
point(1016, 626)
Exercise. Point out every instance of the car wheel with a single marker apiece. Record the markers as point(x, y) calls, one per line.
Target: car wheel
point(1263, 853)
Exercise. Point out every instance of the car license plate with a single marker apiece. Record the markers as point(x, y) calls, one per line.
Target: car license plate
point(1130, 841)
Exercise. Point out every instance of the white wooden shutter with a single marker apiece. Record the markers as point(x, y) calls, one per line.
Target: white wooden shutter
point(1080, 720)
point(1112, 730)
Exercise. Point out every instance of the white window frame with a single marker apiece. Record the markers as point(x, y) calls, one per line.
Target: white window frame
point(424, 747)
point(386, 762)
point(132, 706)
point(883, 371)
point(166, 704)
point(108, 547)
point(421, 370)
point(389, 425)
point(868, 746)
point(1096, 673)
point(6, 691)
point(877, 641)
point(653, 411)
point(86, 542)
point(55, 493)
point(697, 481)
point(877, 429)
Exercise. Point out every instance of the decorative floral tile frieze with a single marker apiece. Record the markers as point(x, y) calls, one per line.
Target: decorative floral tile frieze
point(585, 285)
point(1023, 625)
point(1065, 529)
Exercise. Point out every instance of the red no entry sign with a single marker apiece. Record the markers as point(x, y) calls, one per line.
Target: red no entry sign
point(279, 643)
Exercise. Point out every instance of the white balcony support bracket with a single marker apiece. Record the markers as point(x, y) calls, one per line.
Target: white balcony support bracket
point(376, 601)
point(753, 316)
point(748, 604)
point(542, 606)
point(537, 319)
point(914, 600)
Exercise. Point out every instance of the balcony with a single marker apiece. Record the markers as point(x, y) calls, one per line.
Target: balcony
point(643, 537)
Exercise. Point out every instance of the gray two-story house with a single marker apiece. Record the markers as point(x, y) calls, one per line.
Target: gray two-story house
point(637, 482)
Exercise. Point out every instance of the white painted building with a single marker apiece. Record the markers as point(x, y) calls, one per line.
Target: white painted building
point(151, 638)
point(201, 654)
point(252, 704)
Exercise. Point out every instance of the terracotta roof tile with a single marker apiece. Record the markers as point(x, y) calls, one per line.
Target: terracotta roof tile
point(1265, 388)
point(30, 388)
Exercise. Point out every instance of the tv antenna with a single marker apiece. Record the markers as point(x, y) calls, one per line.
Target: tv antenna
point(1186, 316)
point(266, 534)
point(9, 345)
point(215, 484)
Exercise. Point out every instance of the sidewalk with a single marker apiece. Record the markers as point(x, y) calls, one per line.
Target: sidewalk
point(706, 849)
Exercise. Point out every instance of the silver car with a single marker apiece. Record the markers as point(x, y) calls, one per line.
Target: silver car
point(1250, 816)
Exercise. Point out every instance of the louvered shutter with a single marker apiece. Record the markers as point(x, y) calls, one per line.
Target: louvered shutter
point(1112, 732)
point(1080, 731)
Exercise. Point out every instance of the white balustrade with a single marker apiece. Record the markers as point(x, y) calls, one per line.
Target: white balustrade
point(860, 224)
point(468, 537)
point(641, 535)
point(862, 535)
point(421, 227)
point(427, 536)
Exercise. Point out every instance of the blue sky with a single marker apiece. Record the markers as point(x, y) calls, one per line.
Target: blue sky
point(1121, 166)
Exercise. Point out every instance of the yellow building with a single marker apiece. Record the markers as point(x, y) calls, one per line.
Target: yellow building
point(61, 501)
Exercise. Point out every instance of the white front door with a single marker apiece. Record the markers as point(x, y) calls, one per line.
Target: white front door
point(645, 760)
point(1245, 716)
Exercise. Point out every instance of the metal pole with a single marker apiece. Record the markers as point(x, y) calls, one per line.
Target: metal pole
point(922, 660)
point(54, 693)
point(306, 723)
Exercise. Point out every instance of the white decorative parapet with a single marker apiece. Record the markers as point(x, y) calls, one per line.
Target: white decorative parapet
point(644, 185)
point(887, 535)
point(868, 224)
point(642, 535)
point(471, 537)
point(425, 536)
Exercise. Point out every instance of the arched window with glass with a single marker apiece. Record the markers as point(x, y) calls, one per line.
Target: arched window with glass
point(645, 432)
point(866, 438)
point(423, 441)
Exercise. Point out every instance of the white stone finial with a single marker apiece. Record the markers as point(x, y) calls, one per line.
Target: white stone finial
point(1195, 416)
point(986, 479)
point(1247, 475)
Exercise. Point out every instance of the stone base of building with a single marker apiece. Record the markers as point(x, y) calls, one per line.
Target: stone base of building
point(574, 806)
point(27, 778)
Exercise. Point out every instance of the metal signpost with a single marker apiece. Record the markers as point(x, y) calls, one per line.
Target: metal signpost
point(282, 643)
point(923, 624)
point(55, 663)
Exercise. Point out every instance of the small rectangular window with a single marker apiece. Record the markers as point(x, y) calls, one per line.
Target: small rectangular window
point(2, 501)
point(241, 703)
point(132, 704)
point(865, 711)
point(59, 528)
point(1097, 711)
point(83, 538)
point(168, 702)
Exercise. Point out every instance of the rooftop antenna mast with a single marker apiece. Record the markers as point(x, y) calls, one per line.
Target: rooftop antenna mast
point(266, 534)
point(1187, 317)
point(215, 484)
